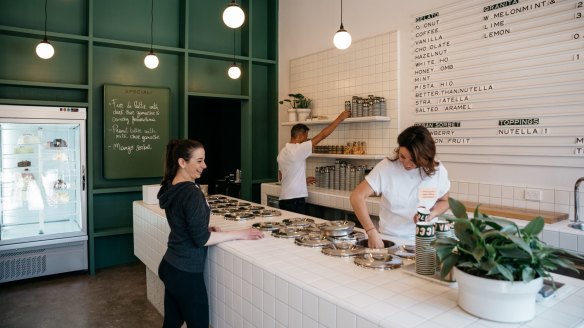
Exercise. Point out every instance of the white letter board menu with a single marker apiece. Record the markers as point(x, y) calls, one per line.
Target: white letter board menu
point(502, 81)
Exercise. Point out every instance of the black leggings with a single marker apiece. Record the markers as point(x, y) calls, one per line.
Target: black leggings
point(185, 297)
point(297, 205)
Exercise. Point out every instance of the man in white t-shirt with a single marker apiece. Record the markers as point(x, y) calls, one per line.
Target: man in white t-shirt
point(292, 164)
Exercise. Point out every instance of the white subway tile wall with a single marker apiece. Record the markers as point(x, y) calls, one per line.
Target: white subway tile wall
point(553, 200)
point(330, 77)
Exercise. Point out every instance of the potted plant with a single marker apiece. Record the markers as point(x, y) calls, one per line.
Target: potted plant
point(498, 266)
point(297, 103)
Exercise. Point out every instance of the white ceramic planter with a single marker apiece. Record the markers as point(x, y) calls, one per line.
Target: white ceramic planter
point(497, 300)
point(292, 115)
point(303, 113)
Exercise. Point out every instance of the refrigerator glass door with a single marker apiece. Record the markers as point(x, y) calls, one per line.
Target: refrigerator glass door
point(41, 187)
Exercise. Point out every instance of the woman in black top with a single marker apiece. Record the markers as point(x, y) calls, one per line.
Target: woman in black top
point(187, 212)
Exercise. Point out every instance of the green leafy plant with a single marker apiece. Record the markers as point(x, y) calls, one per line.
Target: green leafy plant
point(498, 249)
point(297, 100)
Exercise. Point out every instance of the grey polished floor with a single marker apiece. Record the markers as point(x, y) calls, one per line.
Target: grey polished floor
point(114, 297)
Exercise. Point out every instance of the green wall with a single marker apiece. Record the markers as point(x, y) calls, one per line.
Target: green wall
point(101, 42)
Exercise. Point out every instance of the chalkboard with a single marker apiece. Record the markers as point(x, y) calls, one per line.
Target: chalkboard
point(136, 131)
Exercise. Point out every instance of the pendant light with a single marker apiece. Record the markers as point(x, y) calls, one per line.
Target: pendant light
point(151, 61)
point(234, 72)
point(342, 38)
point(233, 15)
point(44, 49)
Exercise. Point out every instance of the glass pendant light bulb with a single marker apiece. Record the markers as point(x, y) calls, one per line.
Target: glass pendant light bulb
point(151, 61)
point(233, 15)
point(45, 50)
point(234, 72)
point(342, 39)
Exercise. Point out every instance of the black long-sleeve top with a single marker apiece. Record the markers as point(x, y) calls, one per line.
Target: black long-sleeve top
point(188, 216)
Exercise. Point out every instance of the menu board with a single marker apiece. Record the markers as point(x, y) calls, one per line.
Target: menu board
point(136, 131)
point(502, 81)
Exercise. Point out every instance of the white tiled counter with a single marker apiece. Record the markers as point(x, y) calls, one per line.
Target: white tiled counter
point(274, 283)
point(557, 234)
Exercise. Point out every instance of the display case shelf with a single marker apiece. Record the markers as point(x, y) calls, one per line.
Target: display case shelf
point(366, 119)
point(346, 156)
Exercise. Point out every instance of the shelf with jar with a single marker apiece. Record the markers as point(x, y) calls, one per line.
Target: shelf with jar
point(346, 156)
point(364, 119)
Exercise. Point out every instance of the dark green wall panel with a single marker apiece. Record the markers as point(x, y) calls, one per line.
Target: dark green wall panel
point(210, 75)
point(263, 114)
point(264, 33)
point(63, 16)
point(20, 62)
point(207, 31)
point(130, 21)
point(113, 211)
point(114, 250)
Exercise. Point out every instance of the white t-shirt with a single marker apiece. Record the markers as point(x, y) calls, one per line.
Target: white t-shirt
point(402, 191)
point(292, 163)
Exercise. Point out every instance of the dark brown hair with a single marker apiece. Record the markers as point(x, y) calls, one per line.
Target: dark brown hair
point(419, 142)
point(175, 149)
point(297, 129)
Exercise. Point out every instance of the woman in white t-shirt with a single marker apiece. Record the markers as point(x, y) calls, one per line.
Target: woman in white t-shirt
point(412, 178)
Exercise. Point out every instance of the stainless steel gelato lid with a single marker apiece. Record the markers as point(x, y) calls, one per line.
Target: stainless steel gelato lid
point(378, 259)
point(312, 240)
point(239, 216)
point(268, 226)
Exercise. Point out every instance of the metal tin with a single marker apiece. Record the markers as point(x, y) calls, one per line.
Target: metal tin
point(379, 260)
point(337, 228)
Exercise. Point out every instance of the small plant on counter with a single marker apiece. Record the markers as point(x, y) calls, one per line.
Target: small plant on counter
point(297, 100)
point(498, 249)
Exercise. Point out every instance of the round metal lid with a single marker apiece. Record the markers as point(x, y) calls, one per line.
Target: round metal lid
point(267, 213)
point(312, 240)
point(239, 216)
point(289, 232)
point(220, 211)
point(241, 204)
point(337, 228)
point(298, 222)
point(405, 251)
point(216, 197)
point(346, 250)
point(221, 205)
point(378, 259)
point(268, 226)
point(357, 235)
point(256, 207)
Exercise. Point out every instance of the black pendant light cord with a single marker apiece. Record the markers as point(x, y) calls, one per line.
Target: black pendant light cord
point(151, 26)
point(342, 15)
point(45, 20)
point(234, 47)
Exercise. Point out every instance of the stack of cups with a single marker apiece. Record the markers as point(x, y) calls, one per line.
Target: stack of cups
point(443, 230)
point(425, 253)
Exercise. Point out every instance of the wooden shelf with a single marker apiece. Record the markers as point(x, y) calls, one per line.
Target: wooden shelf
point(516, 213)
point(366, 119)
point(345, 156)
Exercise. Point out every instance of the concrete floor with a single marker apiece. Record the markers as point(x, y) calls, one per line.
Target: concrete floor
point(114, 297)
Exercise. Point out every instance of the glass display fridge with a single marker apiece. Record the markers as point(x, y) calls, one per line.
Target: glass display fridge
point(43, 201)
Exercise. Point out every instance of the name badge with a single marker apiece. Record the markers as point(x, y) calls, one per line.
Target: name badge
point(427, 193)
